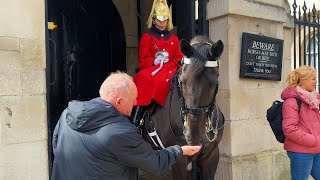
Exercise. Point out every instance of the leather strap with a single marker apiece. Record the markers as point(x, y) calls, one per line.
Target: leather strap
point(154, 44)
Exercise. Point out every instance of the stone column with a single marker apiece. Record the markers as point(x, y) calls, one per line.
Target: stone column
point(249, 150)
point(128, 12)
point(23, 113)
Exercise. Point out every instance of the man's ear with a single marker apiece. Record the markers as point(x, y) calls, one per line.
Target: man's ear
point(118, 101)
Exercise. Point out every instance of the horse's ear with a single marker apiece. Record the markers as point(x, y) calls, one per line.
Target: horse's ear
point(186, 48)
point(217, 49)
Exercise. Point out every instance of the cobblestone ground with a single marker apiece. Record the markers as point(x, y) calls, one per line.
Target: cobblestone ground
point(146, 176)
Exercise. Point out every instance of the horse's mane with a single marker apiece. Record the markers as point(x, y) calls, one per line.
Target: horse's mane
point(202, 51)
point(174, 79)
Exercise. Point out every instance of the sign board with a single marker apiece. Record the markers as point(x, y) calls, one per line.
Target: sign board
point(261, 57)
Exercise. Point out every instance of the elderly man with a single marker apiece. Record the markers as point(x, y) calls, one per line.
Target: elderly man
point(96, 140)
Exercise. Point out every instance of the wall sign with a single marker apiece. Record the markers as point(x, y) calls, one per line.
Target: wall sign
point(261, 57)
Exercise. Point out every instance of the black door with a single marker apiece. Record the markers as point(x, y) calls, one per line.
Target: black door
point(87, 45)
point(188, 21)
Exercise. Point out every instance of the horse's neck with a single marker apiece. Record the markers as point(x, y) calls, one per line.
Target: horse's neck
point(167, 119)
point(174, 96)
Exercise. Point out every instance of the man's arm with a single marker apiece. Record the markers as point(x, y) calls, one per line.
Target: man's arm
point(133, 151)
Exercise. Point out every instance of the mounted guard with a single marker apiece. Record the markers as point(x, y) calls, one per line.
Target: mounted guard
point(159, 59)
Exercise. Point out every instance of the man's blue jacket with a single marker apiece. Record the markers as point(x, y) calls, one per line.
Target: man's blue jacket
point(92, 140)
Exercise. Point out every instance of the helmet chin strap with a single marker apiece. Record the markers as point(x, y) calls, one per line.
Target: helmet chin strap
point(161, 29)
point(159, 26)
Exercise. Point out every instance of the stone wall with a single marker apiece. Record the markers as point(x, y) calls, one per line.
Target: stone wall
point(23, 118)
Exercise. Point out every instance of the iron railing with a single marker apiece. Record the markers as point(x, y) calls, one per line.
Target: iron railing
point(306, 36)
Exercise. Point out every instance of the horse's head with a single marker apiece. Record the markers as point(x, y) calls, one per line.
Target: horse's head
point(199, 85)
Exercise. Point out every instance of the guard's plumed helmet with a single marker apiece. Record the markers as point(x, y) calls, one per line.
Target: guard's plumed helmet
point(160, 11)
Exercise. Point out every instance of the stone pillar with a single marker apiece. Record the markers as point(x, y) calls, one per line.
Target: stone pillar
point(128, 12)
point(249, 150)
point(23, 113)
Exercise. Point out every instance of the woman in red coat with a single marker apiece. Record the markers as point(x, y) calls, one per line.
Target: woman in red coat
point(159, 57)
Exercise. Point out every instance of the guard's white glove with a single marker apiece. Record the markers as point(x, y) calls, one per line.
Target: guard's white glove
point(161, 56)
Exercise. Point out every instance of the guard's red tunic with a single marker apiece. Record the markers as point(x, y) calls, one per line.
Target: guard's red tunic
point(156, 87)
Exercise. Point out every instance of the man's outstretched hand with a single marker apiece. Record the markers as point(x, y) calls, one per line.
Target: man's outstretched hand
point(190, 150)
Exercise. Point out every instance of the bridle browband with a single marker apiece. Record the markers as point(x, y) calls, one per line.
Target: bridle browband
point(207, 64)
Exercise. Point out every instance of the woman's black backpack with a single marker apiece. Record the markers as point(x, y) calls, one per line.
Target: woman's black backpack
point(274, 116)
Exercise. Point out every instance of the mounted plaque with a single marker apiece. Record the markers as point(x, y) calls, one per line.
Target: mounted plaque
point(261, 57)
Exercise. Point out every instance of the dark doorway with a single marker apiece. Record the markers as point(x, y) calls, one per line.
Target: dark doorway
point(87, 45)
point(188, 20)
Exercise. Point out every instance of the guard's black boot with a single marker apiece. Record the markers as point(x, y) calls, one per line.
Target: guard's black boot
point(138, 115)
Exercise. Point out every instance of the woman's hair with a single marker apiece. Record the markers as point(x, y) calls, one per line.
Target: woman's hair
point(296, 75)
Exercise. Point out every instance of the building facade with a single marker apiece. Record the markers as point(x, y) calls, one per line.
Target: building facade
point(31, 96)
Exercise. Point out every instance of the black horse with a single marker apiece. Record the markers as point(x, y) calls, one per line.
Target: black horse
point(190, 114)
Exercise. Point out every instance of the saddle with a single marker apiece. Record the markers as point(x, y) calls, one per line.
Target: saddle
point(141, 111)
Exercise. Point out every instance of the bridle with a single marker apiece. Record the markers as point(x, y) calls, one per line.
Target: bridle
point(212, 109)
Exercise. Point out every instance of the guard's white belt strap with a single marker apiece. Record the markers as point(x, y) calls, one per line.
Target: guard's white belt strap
point(208, 63)
point(159, 68)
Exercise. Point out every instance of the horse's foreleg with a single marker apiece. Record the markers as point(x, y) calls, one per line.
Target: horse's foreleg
point(209, 165)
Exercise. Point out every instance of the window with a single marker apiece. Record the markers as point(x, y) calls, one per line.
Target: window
point(312, 55)
point(312, 49)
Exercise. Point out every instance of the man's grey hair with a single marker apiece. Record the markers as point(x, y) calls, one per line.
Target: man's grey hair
point(116, 83)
